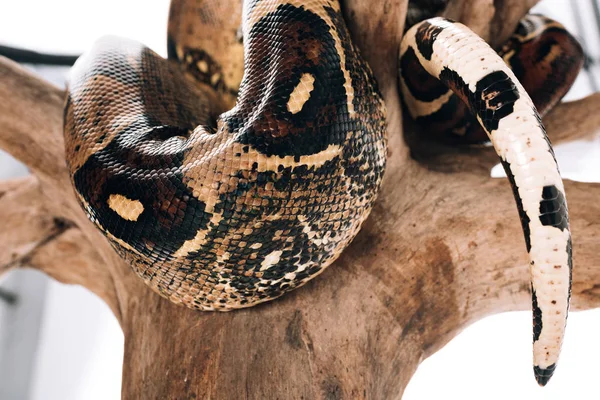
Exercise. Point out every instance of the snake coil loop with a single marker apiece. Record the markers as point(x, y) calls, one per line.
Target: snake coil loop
point(226, 210)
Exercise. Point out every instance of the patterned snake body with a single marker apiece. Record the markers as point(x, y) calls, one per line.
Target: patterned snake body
point(221, 209)
point(543, 56)
point(227, 211)
point(464, 63)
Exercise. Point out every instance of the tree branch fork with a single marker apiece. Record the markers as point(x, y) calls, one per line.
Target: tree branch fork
point(404, 288)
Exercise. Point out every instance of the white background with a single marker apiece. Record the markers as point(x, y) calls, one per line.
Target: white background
point(80, 351)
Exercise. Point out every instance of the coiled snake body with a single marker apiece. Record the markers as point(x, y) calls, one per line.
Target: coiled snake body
point(226, 211)
point(220, 210)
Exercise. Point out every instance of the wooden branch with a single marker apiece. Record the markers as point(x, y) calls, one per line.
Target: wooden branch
point(40, 210)
point(491, 271)
point(21, 205)
point(569, 121)
point(442, 248)
point(402, 290)
point(574, 120)
point(31, 129)
point(476, 14)
point(68, 257)
point(28, 118)
point(493, 20)
point(31, 237)
point(585, 221)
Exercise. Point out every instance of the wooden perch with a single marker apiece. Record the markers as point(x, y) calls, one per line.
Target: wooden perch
point(574, 120)
point(404, 288)
point(31, 237)
point(21, 205)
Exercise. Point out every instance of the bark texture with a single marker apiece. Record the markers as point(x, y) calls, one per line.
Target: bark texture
point(442, 249)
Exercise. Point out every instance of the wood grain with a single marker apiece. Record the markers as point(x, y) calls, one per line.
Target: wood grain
point(442, 249)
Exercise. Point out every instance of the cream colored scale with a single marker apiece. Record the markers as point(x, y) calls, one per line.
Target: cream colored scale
point(521, 142)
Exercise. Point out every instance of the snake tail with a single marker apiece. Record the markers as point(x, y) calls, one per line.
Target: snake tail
point(467, 65)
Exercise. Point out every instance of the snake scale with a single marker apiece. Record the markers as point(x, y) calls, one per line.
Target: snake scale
point(226, 210)
point(222, 197)
point(463, 62)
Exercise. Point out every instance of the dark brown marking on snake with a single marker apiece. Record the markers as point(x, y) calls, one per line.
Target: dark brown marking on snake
point(456, 83)
point(364, 85)
point(522, 214)
point(547, 64)
point(166, 225)
point(493, 99)
point(448, 117)
point(543, 375)
point(537, 316)
point(454, 116)
point(171, 48)
point(423, 9)
point(323, 118)
point(419, 82)
point(206, 70)
point(254, 230)
point(553, 208)
point(425, 37)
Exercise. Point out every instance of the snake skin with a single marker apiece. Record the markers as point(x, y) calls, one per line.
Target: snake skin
point(226, 210)
point(463, 62)
point(220, 209)
point(542, 54)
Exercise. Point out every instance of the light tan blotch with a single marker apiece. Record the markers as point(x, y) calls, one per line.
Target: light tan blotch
point(301, 93)
point(202, 66)
point(270, 260)
point(126, 208)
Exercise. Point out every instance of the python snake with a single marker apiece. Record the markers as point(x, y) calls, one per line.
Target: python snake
point(220, 209)
point(227, 210)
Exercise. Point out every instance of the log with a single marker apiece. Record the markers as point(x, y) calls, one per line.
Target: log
point(404, 288)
